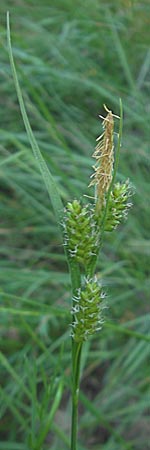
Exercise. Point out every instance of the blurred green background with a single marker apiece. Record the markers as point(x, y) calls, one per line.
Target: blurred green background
point(71, 58)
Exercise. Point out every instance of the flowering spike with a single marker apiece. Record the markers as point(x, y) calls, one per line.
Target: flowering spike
point(118, 205)
point(87, 310)
point(80, 231)
point(104, 155)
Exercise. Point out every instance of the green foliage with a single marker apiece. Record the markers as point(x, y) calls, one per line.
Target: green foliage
point(71, 59)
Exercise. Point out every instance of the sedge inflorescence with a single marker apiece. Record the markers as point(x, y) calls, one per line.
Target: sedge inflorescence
point(84, 225)
point(118, 205)
point(80, 231)
point(104, 155)
point(87, 309)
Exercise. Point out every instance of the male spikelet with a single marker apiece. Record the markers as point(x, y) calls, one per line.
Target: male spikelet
point(104, 155)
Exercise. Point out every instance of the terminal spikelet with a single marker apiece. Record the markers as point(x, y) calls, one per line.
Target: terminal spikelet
point(104, 155)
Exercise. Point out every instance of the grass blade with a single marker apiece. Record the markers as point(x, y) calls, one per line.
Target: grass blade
point(47, 177)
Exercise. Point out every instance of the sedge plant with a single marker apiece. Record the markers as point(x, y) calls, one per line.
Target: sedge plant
point(83, 226)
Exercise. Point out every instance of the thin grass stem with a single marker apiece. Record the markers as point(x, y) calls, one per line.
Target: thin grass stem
point(76, 360)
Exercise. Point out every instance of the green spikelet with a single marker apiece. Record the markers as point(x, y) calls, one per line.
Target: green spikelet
point(118, 206)
point(87, 310)
point(80, 231)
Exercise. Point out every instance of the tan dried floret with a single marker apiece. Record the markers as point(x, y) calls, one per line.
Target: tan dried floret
point(104, 155)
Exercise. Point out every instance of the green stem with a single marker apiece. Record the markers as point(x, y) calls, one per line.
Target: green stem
point(76, 360)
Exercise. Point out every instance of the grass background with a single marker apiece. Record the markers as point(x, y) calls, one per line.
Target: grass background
point(71, 58)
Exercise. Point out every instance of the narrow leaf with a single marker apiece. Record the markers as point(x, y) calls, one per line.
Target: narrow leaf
point(47, 177)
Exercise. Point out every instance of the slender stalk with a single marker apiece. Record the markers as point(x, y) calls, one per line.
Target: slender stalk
point(76, 359)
